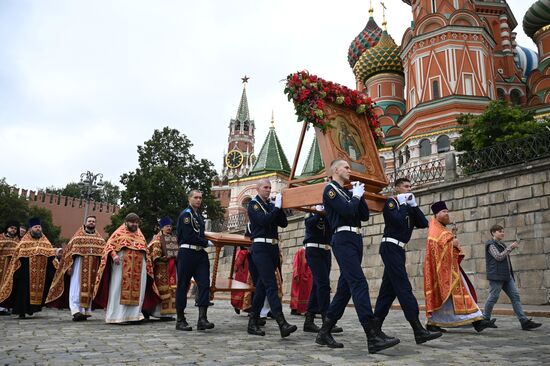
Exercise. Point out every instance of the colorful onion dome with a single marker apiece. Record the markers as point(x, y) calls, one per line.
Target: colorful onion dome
point(536, 17)
point(526, 59)
point(368, 38)
point(384, 57)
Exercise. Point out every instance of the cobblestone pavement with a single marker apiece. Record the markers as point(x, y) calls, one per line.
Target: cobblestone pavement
point(51, 338)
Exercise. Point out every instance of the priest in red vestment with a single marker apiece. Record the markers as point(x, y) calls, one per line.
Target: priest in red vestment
point(449, 295)
point(125, 282)
point(30, 272)
point(8, 242)
point(302, 281)
point(73, 284)
point(163, 250)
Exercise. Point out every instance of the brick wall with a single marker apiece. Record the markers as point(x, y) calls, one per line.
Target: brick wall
point(68, 212)
point(517, 198)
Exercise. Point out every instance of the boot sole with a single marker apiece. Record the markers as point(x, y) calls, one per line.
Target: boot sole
point(185, 329)
point(339, 345)
point(289, 332)
point(205, 328)
point(427, 339)
point(378, 349)
point(255, 333)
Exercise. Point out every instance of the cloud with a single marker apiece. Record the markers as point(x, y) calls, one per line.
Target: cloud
point(84, 83)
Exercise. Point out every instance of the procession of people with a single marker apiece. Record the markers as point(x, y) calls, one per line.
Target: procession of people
point(134, 280)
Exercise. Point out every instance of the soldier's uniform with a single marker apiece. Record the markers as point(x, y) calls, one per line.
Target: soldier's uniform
point(344, 212)
point(265, 219)
point(192, 261)
point(400, 221)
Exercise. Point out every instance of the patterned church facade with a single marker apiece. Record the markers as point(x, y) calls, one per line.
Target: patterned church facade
point(455, 58)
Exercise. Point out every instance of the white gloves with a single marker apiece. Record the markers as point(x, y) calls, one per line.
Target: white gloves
point(407, 198)
point(402, 198)
point(411, 201)
point(210, 244)
point(278, 200)
point(358, 189)
point(319, 208)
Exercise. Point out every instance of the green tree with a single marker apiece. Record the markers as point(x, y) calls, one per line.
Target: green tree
point(159, 186)
point(499, 122)
point(12, 207)
point(109, 193)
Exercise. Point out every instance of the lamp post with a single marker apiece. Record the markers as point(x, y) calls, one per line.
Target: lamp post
point(88, 184)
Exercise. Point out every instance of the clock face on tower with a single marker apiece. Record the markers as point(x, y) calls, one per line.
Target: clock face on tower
point(234, 159)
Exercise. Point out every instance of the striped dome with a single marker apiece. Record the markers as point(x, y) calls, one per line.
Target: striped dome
point(536, 17)
point(384, 57)
point(526, 59)
point(368, 38)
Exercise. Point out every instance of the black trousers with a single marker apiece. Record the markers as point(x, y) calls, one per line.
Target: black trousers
point(192, 264)
point(395, 283)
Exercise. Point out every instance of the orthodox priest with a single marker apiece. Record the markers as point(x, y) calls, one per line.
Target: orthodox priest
point(73, 284)
point(30, 272)
point(450, 296)
point(163, 250)
point(8, 242)
point(125, 283)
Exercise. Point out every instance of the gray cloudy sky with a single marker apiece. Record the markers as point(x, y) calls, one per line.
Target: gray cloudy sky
point(82, 83)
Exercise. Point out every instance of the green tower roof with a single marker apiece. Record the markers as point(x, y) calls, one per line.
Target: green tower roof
point(271, 157)
point(242, 112)
point(314, 162)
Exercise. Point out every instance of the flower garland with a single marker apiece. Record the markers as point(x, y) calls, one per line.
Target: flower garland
point(309, 93)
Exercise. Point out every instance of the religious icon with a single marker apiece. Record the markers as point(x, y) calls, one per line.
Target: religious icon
point(348, 139)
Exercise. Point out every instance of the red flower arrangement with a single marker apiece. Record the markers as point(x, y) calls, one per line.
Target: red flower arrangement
point(309, 92)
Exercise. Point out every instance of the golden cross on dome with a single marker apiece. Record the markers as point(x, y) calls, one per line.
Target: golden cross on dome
point(383, 15)
point(245, 79)
point(371, 10)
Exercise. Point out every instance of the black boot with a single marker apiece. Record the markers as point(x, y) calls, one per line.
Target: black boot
point(253, 327)
point(480, 325)
point(422, 335)
point(285, 328)
point(203, 323)
point(375, 342)
point(261, 321)
point(324, 338)
point(309, 325)
point(435, 328)
point(181, 323)
point(335, 328)
point(378, 324)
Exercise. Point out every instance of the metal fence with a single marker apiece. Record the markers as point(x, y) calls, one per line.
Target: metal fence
point(419, 175)
point(237, 222)
point(505, 154)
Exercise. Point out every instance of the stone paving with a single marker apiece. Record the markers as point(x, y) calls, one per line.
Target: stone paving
point(51, 338)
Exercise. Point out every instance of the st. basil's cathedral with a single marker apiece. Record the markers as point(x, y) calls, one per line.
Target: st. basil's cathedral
point(456, 56)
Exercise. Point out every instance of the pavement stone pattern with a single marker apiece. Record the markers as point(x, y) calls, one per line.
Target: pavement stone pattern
point(52, 338)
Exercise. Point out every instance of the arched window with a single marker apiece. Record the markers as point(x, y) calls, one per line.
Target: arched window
point(400, 158)
point(515, 97)
point(425, 148)
point(237, 126)
point(500, 94)
point(407, 154)
point(245, 127)
point(443, 144)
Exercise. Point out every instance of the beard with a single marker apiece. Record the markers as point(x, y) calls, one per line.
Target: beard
point(36, 234)
point(132, 228)
point(90, 229)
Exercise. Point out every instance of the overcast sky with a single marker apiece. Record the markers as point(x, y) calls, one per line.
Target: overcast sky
point(82, 83)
